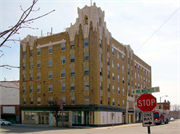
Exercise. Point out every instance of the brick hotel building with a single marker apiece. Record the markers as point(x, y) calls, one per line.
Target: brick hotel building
point(95, 72)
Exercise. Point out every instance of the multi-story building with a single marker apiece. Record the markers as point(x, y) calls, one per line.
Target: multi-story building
point(95, 72)
point(163, 105)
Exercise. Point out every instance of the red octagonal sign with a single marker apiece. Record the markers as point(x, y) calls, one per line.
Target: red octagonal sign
point(146, 102)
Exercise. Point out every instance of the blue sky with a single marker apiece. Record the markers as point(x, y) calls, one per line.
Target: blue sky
point(130, 22)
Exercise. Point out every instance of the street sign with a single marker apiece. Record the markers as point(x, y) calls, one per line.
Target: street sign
point(146, 102)
point(143, 91)
point(148, 119)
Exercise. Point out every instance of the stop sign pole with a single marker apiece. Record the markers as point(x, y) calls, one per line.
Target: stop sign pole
point(146, 102)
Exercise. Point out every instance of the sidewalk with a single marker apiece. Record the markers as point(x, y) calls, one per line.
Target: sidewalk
point(76, 127)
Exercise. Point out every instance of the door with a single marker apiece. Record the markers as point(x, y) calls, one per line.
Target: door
point(86, 117)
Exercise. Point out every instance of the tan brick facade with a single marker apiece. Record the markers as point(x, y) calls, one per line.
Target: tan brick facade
point(126, 71)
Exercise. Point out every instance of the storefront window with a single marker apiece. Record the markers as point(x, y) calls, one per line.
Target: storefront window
point(29, 115)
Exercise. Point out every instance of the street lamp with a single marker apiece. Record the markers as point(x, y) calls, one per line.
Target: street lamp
point(61, 100)
point(162, 97)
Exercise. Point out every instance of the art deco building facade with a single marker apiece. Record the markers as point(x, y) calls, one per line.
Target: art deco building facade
point(95, 72)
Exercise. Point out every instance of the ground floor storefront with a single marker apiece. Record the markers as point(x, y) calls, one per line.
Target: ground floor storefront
point(89, 115)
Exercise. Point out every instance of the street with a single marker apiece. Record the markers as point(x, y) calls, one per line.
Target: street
point(171, 128)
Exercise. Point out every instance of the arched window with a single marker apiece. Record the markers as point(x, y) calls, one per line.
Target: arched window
point(86, 20)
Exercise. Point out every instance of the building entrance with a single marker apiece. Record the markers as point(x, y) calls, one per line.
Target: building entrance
point(44, 118)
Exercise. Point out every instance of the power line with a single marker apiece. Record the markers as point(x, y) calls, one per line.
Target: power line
point(158, 29)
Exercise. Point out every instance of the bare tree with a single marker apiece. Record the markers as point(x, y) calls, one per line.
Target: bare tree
point(23, 22)
point(54, 108)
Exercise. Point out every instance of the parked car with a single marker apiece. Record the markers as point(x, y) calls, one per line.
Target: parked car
point(5, 122)
point(171, 119)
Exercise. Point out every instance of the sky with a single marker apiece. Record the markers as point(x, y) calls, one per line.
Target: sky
point(150, 27)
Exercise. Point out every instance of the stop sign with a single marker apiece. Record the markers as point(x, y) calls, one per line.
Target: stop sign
point(146, 102)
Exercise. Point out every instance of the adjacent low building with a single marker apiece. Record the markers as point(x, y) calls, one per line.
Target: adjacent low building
point(9, 91)
point(93, 70)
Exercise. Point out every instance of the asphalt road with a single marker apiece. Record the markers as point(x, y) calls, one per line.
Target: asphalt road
point(171, 128)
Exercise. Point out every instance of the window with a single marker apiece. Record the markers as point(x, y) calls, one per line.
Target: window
point(100, 57)
point(123, 103)
point(39, 51)
point(118, 55)
point(73, 100)
point(38, 76)
point(50, 75)
point(24, 66)
point(112, 51)
point(31, 89)
point(86, 56)
point(50, 88)
point(31, 76)
point(38, 63)
point(138, 76)
point(118, 79)
point(108, 86)
point(64, 100)
point(135, 65)
point(123, 69)
point(63, 47)
point(86, 98)
point(100, 71)
point(24, 89)
point(24, 101)
point(31, 53)
point(24, 77)
point(86, 71)
point(72, 72)
point(113, 76)
point(100, 43)
point(135, 85)
point(100, 85)
point(123, 92)
point(24, 55)
point(38, 100)
point(86, 84)
point(100, 100)
point(31, 65)
point(118, 102)
point(108, 101)
point(50, 62)
point(38, 88)
point(63, 86)
point(86, 42)
point(31, 100)
point(50, 99)
point(118, 66)
point(108, 74)
point(62, 73)
point(141, 78)
point(113, 64)
point(72, 45)
point(135, 75)
point(85, 20)
point(122, 57)
point(72, 86)
point(123, 80)
point(118, 90)
point(107, 61)
point(50, 49)
point(63, 60)
point(113, 102)
point(72, 58)
point(113, 89)
point(107, 48)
